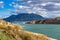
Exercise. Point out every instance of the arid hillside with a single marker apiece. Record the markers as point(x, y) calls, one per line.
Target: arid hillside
point(9, 31)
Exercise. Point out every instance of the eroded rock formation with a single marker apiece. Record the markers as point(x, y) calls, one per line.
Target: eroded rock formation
point(46, 21)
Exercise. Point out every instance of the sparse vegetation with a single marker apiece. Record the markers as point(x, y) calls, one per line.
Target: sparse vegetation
point(9, 31)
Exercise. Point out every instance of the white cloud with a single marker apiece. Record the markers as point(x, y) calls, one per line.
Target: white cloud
point(57, 4)
point(29, 1)
point(53, 14)
point(1, 4)
point(23, 7)
point(43, 4)
point(44, 8)
point(48, 3)
point(16, 6)
point(32, 9)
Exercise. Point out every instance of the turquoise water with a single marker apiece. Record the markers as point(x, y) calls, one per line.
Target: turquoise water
point(51, 30)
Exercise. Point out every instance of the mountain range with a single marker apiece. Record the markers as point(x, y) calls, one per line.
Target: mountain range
point(23, 17)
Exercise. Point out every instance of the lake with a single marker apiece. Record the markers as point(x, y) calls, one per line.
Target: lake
point(51, 30)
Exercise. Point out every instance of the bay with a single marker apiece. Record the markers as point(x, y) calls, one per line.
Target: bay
point(51, 30)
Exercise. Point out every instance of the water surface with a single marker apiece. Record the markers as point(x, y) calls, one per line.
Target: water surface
point(51, 30)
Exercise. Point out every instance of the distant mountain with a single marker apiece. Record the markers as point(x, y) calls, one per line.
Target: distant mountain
point(24, 17)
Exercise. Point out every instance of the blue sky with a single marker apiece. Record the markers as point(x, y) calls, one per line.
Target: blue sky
point(4, 10)
point(45, 8)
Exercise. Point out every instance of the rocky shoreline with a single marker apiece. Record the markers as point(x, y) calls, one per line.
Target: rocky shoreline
point(46, 21)
point(9, 31)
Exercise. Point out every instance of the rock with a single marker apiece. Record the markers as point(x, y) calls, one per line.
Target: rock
point(46, 21)
point(9, 31)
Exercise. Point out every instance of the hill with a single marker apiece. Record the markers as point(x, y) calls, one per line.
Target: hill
point(24, 17)
point(9, 31)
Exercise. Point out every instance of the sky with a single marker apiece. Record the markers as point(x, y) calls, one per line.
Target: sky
point(45, 8)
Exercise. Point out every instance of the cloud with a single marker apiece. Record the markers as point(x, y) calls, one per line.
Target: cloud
point(51, 6)
point(53, 14)
point(29, 1)
point(32, 9)
point(45, 8)
point(1, 4)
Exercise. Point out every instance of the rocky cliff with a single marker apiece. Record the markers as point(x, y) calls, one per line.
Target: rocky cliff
point(46, 21)
point(9, 31)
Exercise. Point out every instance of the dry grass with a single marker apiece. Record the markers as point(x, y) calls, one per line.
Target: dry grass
point(9, 31)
